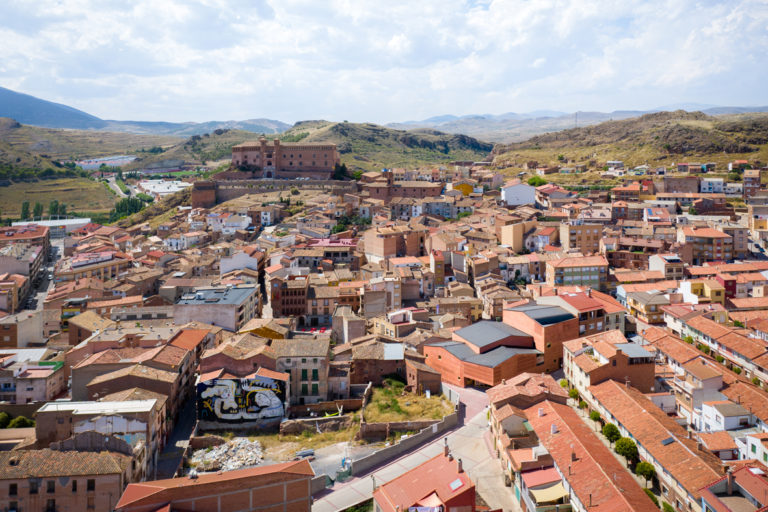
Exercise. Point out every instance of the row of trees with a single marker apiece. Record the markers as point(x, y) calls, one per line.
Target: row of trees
point(17, 422)
point(54, 208)
point(125, 207)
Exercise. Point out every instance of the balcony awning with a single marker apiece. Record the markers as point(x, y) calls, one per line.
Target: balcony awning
point(550, 494)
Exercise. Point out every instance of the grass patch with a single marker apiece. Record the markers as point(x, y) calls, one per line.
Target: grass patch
point(390, 403)
point(79, 194)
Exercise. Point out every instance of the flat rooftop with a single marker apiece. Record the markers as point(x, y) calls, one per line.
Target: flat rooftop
point(217, 296)
point(128, 406)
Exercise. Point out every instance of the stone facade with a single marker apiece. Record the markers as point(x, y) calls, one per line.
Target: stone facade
point(286, 160)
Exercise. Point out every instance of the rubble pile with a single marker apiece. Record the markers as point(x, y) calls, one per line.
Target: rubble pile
point(235, 454)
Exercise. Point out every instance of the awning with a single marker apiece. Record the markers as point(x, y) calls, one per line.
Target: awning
point(550, 494)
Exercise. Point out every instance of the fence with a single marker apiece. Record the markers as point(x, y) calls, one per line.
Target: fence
point(363, 465)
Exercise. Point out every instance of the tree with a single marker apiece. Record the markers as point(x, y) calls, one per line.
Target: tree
point(611, 432)
point(582, 404)
point(62, 210)
point(340, 172)
point(25, 210)
point(536, 181)
point(573, 393)
point(5, 418)
point(53, 207)
point(21, 422)
point(736, 323)
point(38, 210)
point(666, 507)
point(563, 382)
point(627, 448)
point(645, 470)
point(653, 497)
point(594, 416)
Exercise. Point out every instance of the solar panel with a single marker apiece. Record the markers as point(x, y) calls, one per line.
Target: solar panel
point(667, 441)
point(456, 484)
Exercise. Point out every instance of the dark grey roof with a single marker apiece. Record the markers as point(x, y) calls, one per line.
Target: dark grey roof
point(218, 296)
point(544, 314)
point(490, 359)
point(730, 409)
point(633, 350)
point(486, 332)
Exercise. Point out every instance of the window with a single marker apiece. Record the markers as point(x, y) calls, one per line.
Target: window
point(753, 448)
point(50, 506)
point(74, 485)
point(91, 485)
point(33, 487)
point(314, 374)
point(303, 374)
point(304, 389)
point(50, 486)
point(13, 489)
point(315, 390)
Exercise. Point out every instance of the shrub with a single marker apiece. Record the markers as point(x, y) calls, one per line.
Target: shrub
point(594, 416)
point(582, 404)
point(719, 358)
point(653, 497)
point(611, 432)
point(755, 381)
point(536, 181)
point(21, 422)
point(666, 507)
point(645, 470)
point(294, 191)
point(688, 340)
point(627, 448)
point(736, 323)
point(5, 418)
point(573, 393)
point(563, 383)
point(736, 370)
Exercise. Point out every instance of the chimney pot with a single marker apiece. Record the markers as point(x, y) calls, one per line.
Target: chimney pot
point(461, 466)
point(446, 451)
point(729, 481)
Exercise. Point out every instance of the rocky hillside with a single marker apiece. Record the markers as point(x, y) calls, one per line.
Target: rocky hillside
point(369, 146)
point(662, 138)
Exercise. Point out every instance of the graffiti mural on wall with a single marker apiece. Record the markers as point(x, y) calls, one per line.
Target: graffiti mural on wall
point(240, 400)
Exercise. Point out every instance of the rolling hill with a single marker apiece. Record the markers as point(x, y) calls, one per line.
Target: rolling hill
point(34, 111)
point(369, 146)
point(655, 139)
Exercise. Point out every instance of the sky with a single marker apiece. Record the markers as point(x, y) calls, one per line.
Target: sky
point(381, 61)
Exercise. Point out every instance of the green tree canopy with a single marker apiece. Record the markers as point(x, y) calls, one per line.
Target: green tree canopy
point(611, 432)
point(627, 448)
point(38, 210)
point(537, 181)
point(53, 207)
point(5, 418)
point(645, 470)
point(25, 210)
point(21, 422)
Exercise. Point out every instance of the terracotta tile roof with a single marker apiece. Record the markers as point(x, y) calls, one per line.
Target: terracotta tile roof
point(750, 397)
point(748, 303)
point(49, 463)
point(438, 479)
point(716, 441)
point(525, 385)
point(163, 491)
point(650, 426)
point(135, 394)
point(90, 320)
point(189, 339)
point(136, 370)
point(301, 348)
point(572, 261)
point(591, 470)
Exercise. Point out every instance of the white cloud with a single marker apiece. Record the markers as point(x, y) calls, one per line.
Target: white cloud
point(377, 61)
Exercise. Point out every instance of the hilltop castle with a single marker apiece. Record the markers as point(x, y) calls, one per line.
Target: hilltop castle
point(286, 160)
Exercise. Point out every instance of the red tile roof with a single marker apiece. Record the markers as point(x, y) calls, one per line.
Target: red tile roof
point(437, 479)
point(165, 491)
point(591, 470)
point(649, 426)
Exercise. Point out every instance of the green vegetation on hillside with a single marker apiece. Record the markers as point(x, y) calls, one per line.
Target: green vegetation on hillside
point(74, 195)
point(659, 139)
point(371, 147)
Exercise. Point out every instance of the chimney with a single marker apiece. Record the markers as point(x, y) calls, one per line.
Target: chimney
point(373, 482)
point(461, 466)
point(699, 446)
point(446, 451)
point(541, 412)
point(729, 481)
point(628, 383)
point(555, 290)
point(553, 429)
point(589, 292)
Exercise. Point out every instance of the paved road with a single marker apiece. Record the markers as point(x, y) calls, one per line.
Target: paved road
point(113, 186)
point(470, 443)
point(170, 459)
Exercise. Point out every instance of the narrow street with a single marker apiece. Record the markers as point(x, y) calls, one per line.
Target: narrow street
point(170, 459)
point(470, 443)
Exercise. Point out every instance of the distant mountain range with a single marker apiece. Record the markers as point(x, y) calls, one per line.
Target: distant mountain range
point(516, 127)
point(34, 111)
point(503, 128)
